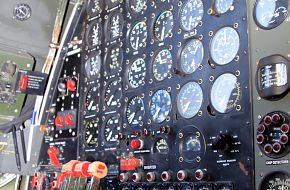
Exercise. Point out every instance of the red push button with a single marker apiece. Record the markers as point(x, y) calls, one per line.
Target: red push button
point(68, 120)
point(58, 121)
point(136, 144)
point(71, 85)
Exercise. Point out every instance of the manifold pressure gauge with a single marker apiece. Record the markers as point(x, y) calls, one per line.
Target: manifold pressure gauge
point(222, 6)
point(272, 81)
point(269, 14)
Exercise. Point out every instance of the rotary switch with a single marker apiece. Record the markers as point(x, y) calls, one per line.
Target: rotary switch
point(222, 142)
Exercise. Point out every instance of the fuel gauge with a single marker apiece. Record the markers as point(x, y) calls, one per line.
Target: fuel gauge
point(276, 181)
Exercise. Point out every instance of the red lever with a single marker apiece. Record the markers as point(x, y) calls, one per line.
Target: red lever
point(23, 82)
point(98, 170)
point(82, 169)
point(53, 156)
point(69, 168)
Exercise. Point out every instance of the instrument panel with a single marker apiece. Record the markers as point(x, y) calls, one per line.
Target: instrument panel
point(161, 91)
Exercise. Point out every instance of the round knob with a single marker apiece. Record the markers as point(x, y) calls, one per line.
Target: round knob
point(58, 121)
point(61, 87)
point(68, 120)
point(124, 177)
point(136, 177)
point(268, 148)
point(150, 176)
point(182, 175)
point(71, 85)
point(166, 176)
point(285, 128)
point(268, 120)
point(284, 139)
point(200, 174)
point(261, 128)
point(277, 147)
point(222, 142)
point(136, 144)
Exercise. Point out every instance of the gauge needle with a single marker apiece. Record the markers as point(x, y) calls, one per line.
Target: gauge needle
point(90, 105)
point(110, 100)
point(89, 139)
point(110, 135)
point(185, 108)
point(131, 117)
point(162, 33)
point(137, 42)
point(156, 113)
point(190, 21)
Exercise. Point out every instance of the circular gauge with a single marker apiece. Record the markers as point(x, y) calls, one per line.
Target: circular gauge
point(112, 129)
point(192, 145)
point(114, 59)
point(163, 25)
point(160, 146)
point(272, 134)
point(189, 100)
point(186, 187)
point(137, 6)
point(162, 64)
point(125, 188)
point(276, 181)
point(22, 12)
point(91, 133)
point(93, 65)
point(95, 7)
point(224, 45)
point(113, 94)
point(160, 106)
point(138, 35)
point(225, 93)
point(114, 26)
point(191, 14)
point(222, 6)
point(269, 14)
point(191, 56)
point(94, 34)
point(135, 111)
point(92, 99)
point(170, 187)
point(137, 73)
point(112, 3)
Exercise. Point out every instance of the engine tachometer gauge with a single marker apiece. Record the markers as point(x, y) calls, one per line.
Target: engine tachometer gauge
point(191, 14)
point(113, 94)
point(163, 25)
point(269, 14)
point(91, 133)
point(160, 106)
point(225, 93)
point(224, 46)
point(114, 26)
point(92, 99)
point(114, 59)
point(162, 64)
point(111, 130)
point(138, 35)
point(95, 7)
point(191, 56)
point(137, 6)
point(135, 111)
point(137, 73)
point(189, 100)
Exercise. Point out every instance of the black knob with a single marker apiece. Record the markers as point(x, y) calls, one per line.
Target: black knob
point(222, 142)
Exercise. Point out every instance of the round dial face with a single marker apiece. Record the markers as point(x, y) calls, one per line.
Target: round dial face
point(92, 99)
point(94, 34)
point(112, 3)
point(224, 45)
point(91, 133)
point(269, 14)
point(276, 181)
point(191, 147)
point(170, 187)
point(112, 129)
point(137, 73)
point(93, 65)
point(22, 12)
point(113, 94)
point(135, 111)
point(114, 59)
point(225, 93)
point(160, 106)
point(138, 35)
point(163, 25)
point(162, 64)
point(191, 14)
point(191, 56)
point(189, 100)
point(222, 6)
point(115, 24)
point(95, 7)
point(160, 146)
point(137, 6)
point(186, 187)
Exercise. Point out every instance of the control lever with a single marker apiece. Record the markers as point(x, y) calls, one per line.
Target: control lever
point(97, 170)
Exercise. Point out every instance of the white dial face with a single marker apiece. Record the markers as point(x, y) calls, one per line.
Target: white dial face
point(191, 14)
point(137, 6)
point(223, 6)
point(189, 100)
point(224, 45)
point(138, 35)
